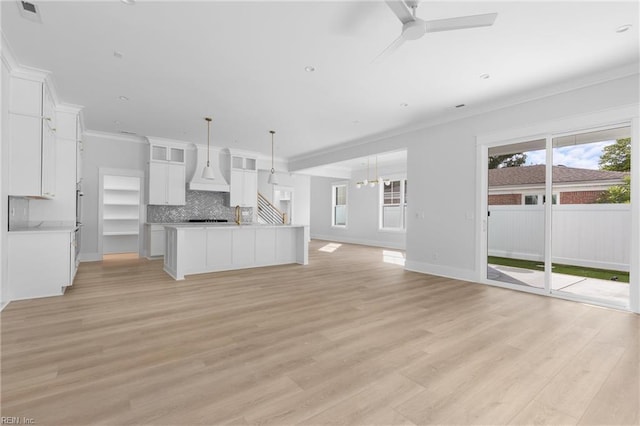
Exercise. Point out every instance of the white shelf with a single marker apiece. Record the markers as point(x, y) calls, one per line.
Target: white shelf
point(121, 218)
point(121, 213)
point(122, 204)
point(111, 188)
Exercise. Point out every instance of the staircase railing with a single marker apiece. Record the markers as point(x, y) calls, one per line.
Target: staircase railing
point(270, 213)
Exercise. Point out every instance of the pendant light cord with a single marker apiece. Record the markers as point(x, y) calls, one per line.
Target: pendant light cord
point(273, 170)
point(208, 137)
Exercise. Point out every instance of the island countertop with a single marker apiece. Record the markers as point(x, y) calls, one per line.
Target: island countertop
point(226, 225)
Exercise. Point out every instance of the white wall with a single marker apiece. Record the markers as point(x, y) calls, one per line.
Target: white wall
point(107, 152)
point(4, 181)
point(362, 215)
point(443, 188)
point(442, 163)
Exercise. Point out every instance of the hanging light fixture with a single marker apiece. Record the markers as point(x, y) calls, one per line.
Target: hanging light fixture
point(273, 178)
point(373, 182)
point(207, 172)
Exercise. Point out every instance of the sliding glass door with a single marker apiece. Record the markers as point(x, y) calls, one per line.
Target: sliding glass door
point(559, 215)
point(591, 221)
point(515, 214)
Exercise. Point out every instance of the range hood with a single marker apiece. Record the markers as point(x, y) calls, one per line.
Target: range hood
point(218, 183)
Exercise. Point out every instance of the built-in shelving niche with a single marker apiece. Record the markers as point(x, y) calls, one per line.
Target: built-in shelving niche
point(120, 214)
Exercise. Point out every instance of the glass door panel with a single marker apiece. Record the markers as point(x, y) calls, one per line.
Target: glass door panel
point(591, 216)
point(516, 213)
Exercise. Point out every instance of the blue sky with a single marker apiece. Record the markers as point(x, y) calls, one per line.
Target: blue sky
point(585, 156)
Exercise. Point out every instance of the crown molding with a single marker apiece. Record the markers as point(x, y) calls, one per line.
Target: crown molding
point(116, 136)
point(8, 57)
point(70, 108)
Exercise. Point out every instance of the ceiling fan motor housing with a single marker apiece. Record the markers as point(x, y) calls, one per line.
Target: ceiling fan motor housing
point(413, 30)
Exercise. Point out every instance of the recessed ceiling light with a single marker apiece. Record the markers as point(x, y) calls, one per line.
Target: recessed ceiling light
point(485, 76)
point(123, 98)
point(623, 28)
point(129, 2)
point(309, 68)
point(460, 105)
point(117, 54)
point(404, 104)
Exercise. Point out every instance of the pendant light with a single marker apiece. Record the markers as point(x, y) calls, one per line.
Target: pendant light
point(273, 178)
point(372, 182)
point(207, 172)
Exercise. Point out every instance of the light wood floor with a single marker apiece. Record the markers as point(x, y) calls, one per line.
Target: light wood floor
point(347, 339)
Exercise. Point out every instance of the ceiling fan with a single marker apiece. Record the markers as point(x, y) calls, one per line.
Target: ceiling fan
point(414, 28)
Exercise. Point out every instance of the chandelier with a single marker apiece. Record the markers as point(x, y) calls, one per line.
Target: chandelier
point(373, 182)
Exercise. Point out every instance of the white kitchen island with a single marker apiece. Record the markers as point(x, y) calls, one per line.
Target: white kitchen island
point(200, 248)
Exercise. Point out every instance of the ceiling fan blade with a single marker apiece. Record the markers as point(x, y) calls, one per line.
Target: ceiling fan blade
point(389, 50)
point(401, 10)
point(461, 22)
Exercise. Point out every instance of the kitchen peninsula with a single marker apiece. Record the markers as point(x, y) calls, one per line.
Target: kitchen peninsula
point(210, 247)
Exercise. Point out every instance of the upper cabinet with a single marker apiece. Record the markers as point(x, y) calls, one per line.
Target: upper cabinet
point(32, 143)
point(243, 182)
point(166, 172)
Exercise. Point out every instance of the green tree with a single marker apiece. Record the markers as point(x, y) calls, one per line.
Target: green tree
point(508, 160)
point(617, 194)
point(617, 157)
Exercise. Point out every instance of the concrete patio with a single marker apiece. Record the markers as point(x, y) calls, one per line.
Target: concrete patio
point(610, 291)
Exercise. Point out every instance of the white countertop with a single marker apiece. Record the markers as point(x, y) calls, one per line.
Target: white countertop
point(227, 225)
point(61, 228)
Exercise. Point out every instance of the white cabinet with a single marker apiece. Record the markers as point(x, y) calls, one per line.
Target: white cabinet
point(200, 249)
point(41, 263)
point(166, 175)
point(219, 247)
point(154, 240)
point(79, 150)
point(32, 143)
point(243, 185)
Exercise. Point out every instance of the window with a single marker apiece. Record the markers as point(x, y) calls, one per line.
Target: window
point(393, 205)
point(531, 199)
point(339, 205)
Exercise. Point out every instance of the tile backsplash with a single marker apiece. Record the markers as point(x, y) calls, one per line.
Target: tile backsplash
point(198, 205)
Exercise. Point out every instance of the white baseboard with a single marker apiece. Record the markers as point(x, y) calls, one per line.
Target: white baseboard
point(441, 271)
point(90, 257)
point(361, 241)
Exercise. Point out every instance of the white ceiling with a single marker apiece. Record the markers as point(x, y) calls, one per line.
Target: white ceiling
point(244, 64)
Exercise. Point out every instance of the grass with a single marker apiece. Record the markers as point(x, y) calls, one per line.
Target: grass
point(602, 274)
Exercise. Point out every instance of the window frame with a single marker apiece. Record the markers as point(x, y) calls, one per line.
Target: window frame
point(334, 188)
point(402, 204)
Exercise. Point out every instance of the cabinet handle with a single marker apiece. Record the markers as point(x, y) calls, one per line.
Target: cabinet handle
point(47, 118)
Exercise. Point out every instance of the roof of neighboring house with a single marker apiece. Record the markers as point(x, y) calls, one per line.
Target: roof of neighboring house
point(525, 175)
